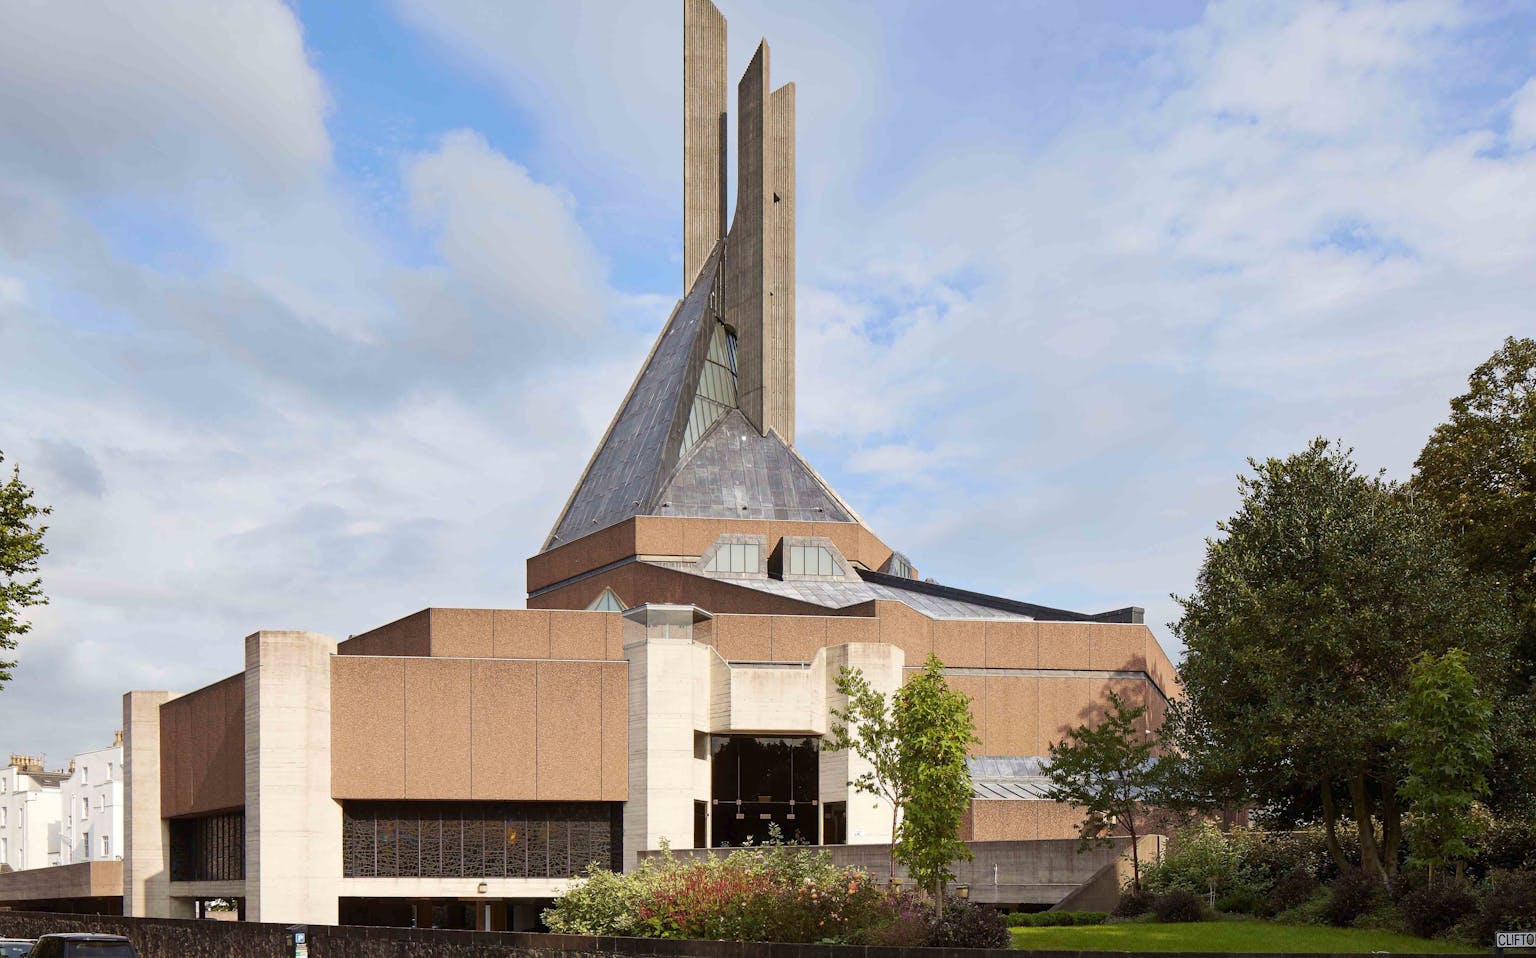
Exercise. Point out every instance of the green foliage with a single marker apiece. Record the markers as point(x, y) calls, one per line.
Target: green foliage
point(1306, 610)
point(21, 547)
point(1204, 861)
point(1431, 909)
point(1133, 902)
point(1509, 904)
point(1178, 906)
point(1448, 745)
point(934, 732)
point(867, 725)
point(1479, 470)
point(1352, 895)
point(1108, 770)
point(1055, 919)
point(1229, 937)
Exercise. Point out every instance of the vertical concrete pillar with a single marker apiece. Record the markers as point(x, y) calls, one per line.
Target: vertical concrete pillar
point(292, 825)
point(869, 818)
point(146, 836)
point(704, 156)
point(759, 290)
point(664, 713)
point(779, 267)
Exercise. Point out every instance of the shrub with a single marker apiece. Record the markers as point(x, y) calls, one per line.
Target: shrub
point(1351, 895)
point(1292, 890)
point(1055, 919)
point(1509, 904)
point(1508, 845)
point(1178, 906)
point(967, 925)
point(1241, 900)
point(900, 920)
point(1197, 860)
point(1133, 902)
point(1433, 909)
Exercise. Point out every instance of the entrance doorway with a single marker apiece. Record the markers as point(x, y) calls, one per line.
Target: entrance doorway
point(758, 781)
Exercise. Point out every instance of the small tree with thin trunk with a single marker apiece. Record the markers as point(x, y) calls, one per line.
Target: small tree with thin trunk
point(1448, 744)
point(1109, 771)
point(866, 726)
point(934, 731)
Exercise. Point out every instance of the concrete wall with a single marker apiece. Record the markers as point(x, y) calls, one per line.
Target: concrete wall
point(292, 825)
point(481, 728)
point(99, 879)
point(146, 862)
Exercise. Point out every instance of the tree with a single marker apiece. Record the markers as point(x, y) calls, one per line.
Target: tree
point(1479, 469)
point(867, 726)
point(1448, 747)
point(21, 546)
point(1110, 772)
point(915, 742)
point(934, 733)
point(1305, 614)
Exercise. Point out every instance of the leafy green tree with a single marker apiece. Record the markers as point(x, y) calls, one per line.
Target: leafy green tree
point(1110, 771)
point(1448, 748)
point(867, 727)
point(1306, 611)
point(934, 732)
point(21, 546)
point(1479, 469)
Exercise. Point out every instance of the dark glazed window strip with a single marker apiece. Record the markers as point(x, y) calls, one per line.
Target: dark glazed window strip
point(478, 839)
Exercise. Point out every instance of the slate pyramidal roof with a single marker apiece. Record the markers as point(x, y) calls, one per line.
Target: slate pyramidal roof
point(680, 446)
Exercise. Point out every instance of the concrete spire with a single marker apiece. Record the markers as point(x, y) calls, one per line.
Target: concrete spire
point(760, 251)
point(704, 107)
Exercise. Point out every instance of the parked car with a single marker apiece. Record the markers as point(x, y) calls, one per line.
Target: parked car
point(15, 947)
point(82, 946)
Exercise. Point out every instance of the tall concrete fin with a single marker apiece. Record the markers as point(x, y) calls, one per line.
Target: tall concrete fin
point(779, 268)
point(705, 92)
point(746, 288)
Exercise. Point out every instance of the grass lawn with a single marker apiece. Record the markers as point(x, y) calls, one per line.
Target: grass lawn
point(1235, 936)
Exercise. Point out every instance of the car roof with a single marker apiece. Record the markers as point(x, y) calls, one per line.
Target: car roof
point(84, 936)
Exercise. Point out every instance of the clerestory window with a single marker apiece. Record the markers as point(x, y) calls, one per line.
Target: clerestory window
point(735, 557)
point(607, 602)
point(717, 387)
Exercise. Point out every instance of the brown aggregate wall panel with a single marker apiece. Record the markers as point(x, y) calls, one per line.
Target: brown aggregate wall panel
point(437, 727)
point(504, 737)
point(797, 638)
point(1119, 648)
point(1013, 645)
point(463, 633)
point(202, 749)
point(579, 635)
point(842, 630)
point(569, 713)
point(903, 626)
point(975, 688)
point(367, 727)
point(408, 636)
point(1066, 703)
point(638, 583)
point(744, 638)
point(582, 555)
point(1013, 716)
point(993, 821)
point(614, 760)
point(960, 644)
point(613, 638)
point(1066, 645)
point(520, 634)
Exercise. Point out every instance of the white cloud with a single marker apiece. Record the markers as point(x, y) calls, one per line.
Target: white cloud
point(1522, 116)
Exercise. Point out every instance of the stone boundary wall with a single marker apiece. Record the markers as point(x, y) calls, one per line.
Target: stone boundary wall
point(181, 938)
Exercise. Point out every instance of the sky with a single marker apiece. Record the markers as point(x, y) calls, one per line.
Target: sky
point(311, 313)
